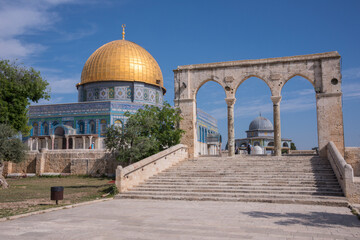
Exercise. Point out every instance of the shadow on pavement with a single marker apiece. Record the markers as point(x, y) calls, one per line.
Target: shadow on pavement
point(315, 219)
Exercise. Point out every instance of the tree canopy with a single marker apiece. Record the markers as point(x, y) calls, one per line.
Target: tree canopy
point(18, 86)
point(148, 131)
point(11, 149)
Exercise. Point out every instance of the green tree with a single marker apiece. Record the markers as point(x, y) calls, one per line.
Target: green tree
point(18, 86)
point(292, 146)
point(11, 149)
point(148, 131)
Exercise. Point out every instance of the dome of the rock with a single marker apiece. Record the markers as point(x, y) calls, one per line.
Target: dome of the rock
point(122, 61)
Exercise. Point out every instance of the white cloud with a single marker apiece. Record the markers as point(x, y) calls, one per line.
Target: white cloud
point(351, 73)
point(24, 17)
point(50, 101)
point(63, 85)
point(351, 90)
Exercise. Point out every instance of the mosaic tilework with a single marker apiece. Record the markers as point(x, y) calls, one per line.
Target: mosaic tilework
point(139, 93)
point(111, 93)
point(103, 94)
point(120, 93)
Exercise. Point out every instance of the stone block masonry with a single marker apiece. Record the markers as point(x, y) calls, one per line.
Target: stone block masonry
point(76, 162)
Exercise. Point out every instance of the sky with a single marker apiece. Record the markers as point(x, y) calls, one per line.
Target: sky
point(56, 37)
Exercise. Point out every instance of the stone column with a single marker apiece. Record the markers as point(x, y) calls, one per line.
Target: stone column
point(277, 125)
point(188, 124)
point(67, 141)
point(231, 133)
point(37, 143)
point(52, 141)
point(46, 143)
point(30, 144)
point(83, 137)
point(73, 142)
point(330, 121)
point(90, 141)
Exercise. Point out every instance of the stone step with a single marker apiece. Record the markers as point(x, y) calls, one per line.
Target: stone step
point(341, 202)
point(248, 177)
point(237, 194)
point(229, 188)
point(245, 183)
point(306, 180)
point(337, 192)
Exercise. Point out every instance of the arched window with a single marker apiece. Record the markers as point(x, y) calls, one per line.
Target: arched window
point(46, 128)
point(81, 125)
point(118, 123)
point(35, 129)
point(256, 144)
point(92, 126)
point(271, 144)
point(103, 126)
point(285, 144)
point(55, 123)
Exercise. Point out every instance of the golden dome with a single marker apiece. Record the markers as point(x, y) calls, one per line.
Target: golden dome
point(122, 60)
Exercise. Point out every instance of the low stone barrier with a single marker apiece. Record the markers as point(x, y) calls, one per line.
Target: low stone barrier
point(344, 174)
point(138, 172)
point(352, 157)
point(94, 162)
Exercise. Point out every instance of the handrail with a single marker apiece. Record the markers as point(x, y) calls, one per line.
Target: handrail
point(138, 172)
point(345, 169)
point(149, 160)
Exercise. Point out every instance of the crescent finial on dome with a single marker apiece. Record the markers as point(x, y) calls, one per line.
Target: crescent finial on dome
point(123, 33)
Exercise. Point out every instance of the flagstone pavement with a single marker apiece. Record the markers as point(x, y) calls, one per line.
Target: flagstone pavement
point(152, 219)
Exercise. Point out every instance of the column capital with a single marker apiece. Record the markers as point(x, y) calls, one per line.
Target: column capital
point(230, 101)
point(276, 99)
point(52, 136)
point(83, 137)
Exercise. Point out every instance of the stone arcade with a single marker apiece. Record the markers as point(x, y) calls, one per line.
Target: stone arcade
point(321, 70)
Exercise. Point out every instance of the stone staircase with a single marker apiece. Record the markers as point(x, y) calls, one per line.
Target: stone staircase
point(290, 179)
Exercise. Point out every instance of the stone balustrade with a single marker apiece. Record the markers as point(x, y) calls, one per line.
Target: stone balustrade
point(138, 172)
point(344, 173)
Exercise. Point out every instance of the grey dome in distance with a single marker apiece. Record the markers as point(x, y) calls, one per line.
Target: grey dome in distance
point(260, 123)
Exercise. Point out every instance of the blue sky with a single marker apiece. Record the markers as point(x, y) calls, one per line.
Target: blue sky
point(57, 36)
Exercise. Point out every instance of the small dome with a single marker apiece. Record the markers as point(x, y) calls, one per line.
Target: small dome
point(261, 123)
point(122, 60)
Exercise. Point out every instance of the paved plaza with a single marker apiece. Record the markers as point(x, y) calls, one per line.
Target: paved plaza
point(151, 219)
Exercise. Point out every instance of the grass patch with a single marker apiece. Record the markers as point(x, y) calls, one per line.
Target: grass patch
point(32, 194)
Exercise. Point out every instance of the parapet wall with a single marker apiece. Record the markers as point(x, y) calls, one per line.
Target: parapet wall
point(78, 161)
point(138, 172)
point(352, 157)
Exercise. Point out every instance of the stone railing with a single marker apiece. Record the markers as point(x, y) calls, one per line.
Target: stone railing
point(138, 172)
point(344, 174)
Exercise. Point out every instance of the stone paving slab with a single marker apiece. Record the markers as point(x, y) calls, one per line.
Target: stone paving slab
point(152, 219)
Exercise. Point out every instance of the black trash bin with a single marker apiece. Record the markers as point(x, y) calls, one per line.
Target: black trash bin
point(57, 193)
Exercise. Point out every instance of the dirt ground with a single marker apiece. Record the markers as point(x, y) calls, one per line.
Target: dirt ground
point(32, 194)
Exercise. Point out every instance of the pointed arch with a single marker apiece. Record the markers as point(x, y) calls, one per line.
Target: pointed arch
point(205, 81)
point(298, 75)
point(250, 76)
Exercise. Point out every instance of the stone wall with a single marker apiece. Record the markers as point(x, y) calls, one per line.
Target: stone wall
point(352, 157)
point(26, 166)
point(138, 172)
point(78, 161)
